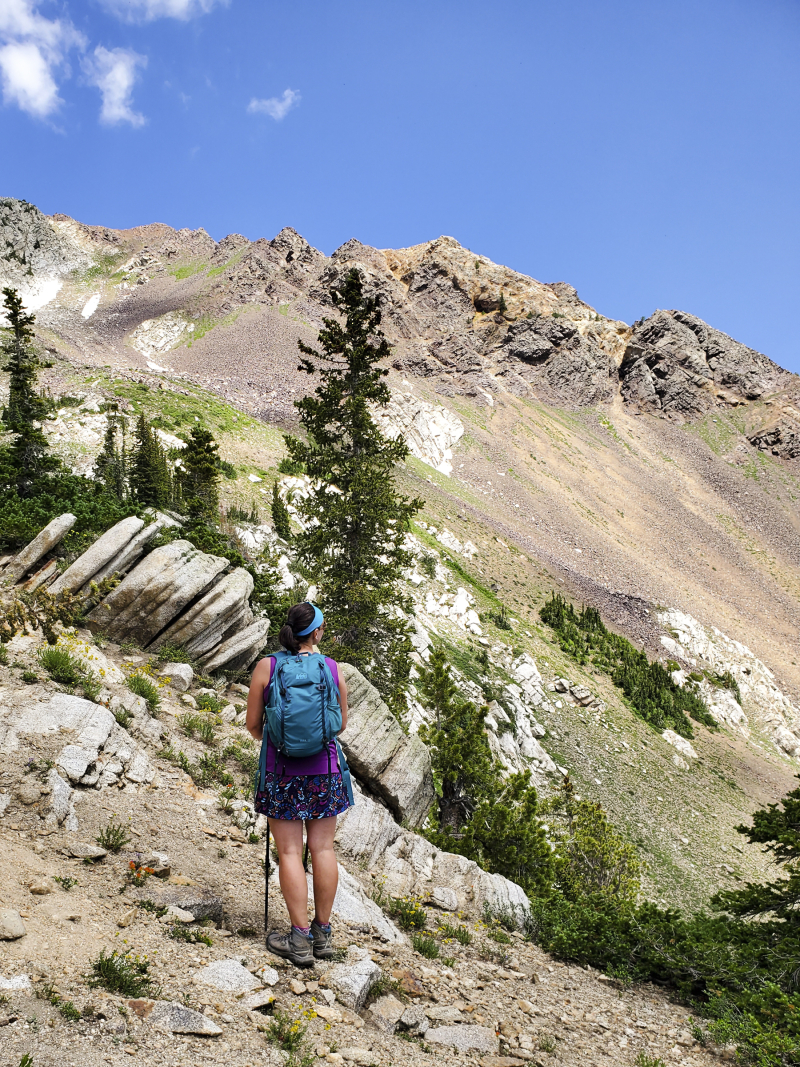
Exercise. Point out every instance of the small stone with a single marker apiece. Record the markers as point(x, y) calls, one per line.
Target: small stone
point(262, 999)
point(268, 975)
point(141, 1007)
point(334, 1057)
point(414, 1020)
point(40, 888)
point(464, 1038)
point(84, 851)
point(19, 981)
point(526, 1006)
point(126, 918)
point(229, 976)
point(228, 713)
point(174, 914)
point(352, 981)
point(328, 1013)
point(358, 1055)
point(178, 1019)
point(409, 983)
point(179, 676)
point(188, 700)
point(386, 1013)
point(297, 987)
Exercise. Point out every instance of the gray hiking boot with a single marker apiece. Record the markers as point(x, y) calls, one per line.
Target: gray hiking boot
point(293, 946)
point(323, 942)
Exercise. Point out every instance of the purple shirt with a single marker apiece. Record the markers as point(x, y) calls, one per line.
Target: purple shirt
point(317, 764)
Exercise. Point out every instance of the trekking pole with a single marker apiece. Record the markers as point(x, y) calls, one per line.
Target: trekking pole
point(266, 887)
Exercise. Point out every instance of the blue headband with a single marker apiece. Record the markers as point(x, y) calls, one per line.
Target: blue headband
point(318, 620)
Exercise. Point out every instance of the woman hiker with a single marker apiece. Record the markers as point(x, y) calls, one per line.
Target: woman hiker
point(301, 699)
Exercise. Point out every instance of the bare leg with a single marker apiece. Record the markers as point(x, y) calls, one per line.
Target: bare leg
point(288, 834)
point(320, 834)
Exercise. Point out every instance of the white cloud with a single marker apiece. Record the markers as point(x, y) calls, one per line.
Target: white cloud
point(32, 48)
point(277, 107)
point(147, 10)
point(114, 72)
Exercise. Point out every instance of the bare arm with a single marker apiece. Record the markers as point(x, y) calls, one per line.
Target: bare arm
point(343, 701)
point(255, 699)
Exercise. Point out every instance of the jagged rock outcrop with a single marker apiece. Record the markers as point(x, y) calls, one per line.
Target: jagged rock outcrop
point(429, 430)
point(391, 765)
point(404, 863)
point(105, 549)
point(678, 364)
point(781, 438)
point(44, 542)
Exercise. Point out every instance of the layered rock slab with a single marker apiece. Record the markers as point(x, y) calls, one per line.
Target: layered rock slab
point(390, 764)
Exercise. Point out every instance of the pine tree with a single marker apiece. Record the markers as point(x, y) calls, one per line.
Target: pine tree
point(111, 465)
point(199, 475)
point(280, 515)
point(353, 542)
point(25, 410)
point(479, 815)
point(778, 829)
point(151, 479)
point(461, 759)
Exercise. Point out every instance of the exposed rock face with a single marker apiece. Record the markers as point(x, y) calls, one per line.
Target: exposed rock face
point(782, 439)
point(103, 551)
point(430, 431)
point(44, 542)
point(389, 763)
point(220, 611)
point(410, 865)
point(240, 650)
point(763, 703)
point(678, 364)
point(155, 592)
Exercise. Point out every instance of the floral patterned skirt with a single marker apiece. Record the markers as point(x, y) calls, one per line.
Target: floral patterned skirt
point(302, 796)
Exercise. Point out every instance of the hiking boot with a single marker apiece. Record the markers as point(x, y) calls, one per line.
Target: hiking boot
point(294, 946)
point(323, 942)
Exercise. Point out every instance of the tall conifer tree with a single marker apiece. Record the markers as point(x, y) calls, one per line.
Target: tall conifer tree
point(354, 540)
point(199, 475)
point(111, 465)
point(280, 515)
point(151, 479)
point(25, 410)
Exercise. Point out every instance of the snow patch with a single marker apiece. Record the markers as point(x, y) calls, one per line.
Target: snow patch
point(90, 306)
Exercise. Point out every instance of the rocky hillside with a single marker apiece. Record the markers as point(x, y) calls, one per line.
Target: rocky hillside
point(649, 470)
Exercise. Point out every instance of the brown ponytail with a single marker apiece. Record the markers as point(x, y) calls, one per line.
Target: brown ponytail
point(300, 617)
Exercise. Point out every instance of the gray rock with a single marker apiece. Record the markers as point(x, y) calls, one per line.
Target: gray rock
point(550, 359)
point(352, 981)
point(130, 553)
point(443, 1013)
point(74, 761)
point(229, 976)
point(40, 577)
point(583, 695)
point(464, 1038)
point(239, 651)
point(678, 364)
point(104, 549)
point(391, 764)
point(414, 1020)
point(177, 915)
point(352, 905)
point(201, 902)
point(155, 592)
point(61, 808)
point(28, 790)
point(84, 851)
point(262, 999)
point(214, 617)
point(386, 1012)
point(44, 542)
point(19, 981)
point(178, 1019)
point(11, 925)
point(781, 438)
point(180, 676)
point(268, 975)
point(361, 1056)
point(444, 897)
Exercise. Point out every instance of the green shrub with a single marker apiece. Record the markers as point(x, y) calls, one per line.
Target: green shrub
point(173, 654)
point(29, 677)
point(142, 686)
point(113, 837)
point(425, 946)
point(649, 686)
point(498, 935)
point(65, 881)
point(455, 933)
point(207, 730)
point(61, 665)
point(125, 975)
point(409, 913)
point(189, 723)
point(3, 656)
point(191, 936)
point(209, 702)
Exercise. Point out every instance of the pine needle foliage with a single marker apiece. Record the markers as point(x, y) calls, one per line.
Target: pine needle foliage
point(26, 408)
point(648, 685)
point(356, 520)
point(479, 815)
point(199, 474)
point(280, 515)
point(151, 479)
point(111, 465)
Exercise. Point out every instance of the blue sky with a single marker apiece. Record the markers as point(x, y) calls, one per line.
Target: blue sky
point(646, 152)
